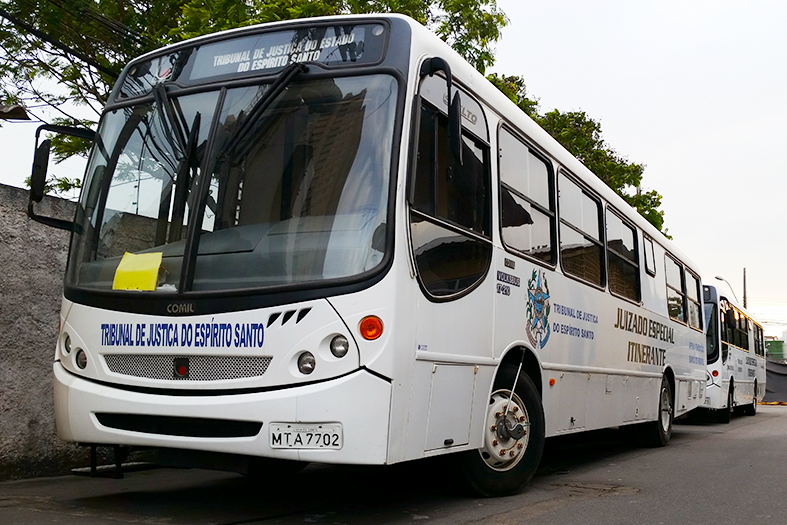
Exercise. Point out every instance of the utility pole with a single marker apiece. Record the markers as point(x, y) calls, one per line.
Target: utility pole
point(744, 288)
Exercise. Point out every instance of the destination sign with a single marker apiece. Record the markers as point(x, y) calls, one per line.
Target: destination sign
point(327, 45)
point(340, 45)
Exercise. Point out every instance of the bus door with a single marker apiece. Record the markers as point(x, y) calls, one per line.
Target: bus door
point(450, 230)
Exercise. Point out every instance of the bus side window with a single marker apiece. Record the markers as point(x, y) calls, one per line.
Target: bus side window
point(622, 258)
point(724, 321)
point(693, 300)
point(444, 190)
point(675, 297)
point(650, 257)
point(451, 211)
point(526, 203)
point(745, 329)
point(581, 251)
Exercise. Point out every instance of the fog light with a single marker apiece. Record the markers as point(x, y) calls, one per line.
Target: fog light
point(340, 346)
point(306, 363)
point(67, 344)
point(81, 359)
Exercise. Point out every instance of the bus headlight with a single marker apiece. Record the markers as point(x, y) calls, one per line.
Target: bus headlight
point(306, 363)
point(67, 344)
point(340, 346)
point(81, 359)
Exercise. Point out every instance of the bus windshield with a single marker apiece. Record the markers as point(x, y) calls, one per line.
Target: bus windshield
point(298, 192)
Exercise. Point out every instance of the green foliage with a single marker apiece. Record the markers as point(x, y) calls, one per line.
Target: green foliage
point(59, 185)
point(112, 32)
point(109, 33)
point(581, 136)
point(37, 74)
point(648, 203)
point(514, 88)
point(471, 27)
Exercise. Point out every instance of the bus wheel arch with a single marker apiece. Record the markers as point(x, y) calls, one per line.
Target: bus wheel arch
point(669, 375)
point(530, 365)
point(751, 410)
point(514, 431)
point(658, 433)
point(724, 415)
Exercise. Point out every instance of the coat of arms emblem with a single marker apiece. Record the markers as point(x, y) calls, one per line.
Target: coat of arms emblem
point(538, 307)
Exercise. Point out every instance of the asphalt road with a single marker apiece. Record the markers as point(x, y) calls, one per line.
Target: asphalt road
point(709, 473)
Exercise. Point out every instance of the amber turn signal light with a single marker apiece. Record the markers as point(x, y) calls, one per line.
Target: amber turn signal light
point(371, 327)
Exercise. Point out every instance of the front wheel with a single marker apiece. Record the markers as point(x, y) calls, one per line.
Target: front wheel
point(513, 439)
point(724, 415)
point(658, 433)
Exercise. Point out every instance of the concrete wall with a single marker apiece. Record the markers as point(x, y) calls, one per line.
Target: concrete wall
point(32, 262)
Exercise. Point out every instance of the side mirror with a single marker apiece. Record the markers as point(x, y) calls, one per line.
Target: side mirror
point(455, 128)
point(430, 67)
point(40, 165)
point(38, 177)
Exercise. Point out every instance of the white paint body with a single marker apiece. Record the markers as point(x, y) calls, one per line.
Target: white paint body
point(426, 382)
point(744, 368)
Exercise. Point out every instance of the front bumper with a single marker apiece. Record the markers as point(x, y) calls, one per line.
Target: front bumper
point(359, 401)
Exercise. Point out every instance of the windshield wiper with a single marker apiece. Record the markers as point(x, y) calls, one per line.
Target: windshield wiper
point(209, 164)
point(282, 81)
point(188, 163)
point(168, 120)
point(182, 177)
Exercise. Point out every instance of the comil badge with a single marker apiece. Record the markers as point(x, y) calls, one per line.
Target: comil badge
point(538, 307)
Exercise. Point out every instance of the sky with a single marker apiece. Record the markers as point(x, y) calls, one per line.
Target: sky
point(693, 89)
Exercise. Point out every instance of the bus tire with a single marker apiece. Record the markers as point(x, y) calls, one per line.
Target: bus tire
point(724, 415)
point(505, 464)
point(751, 410)
point(658, 433)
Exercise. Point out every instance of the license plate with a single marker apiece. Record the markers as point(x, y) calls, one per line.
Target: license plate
point(305, 435)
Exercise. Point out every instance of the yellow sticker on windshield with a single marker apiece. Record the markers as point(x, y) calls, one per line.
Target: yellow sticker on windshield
point(137, 271)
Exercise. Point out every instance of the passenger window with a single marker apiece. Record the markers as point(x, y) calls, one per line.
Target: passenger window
point(442, 189)
point(693, 300)
point(581, 253)
point(622, 257)
point(450, 218)
point(683, 295)
point(675, 296)
point(527, 212)
point(650, 257)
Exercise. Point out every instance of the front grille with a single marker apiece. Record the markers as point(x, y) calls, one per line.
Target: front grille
point(201, 367)
point(180, 426)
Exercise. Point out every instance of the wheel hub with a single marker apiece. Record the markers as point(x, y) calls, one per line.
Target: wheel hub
point(506, 436)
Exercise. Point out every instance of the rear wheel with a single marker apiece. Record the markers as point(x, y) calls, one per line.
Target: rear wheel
point(513, 439)
point(751, 410)
point(658, 433)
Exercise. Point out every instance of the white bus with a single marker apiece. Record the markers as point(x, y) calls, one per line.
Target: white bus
point(736, 357)
point(332, 240)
